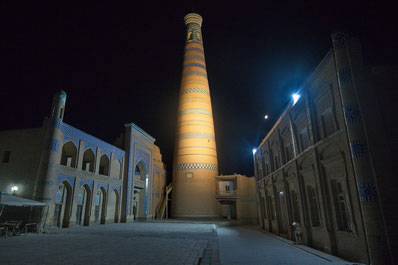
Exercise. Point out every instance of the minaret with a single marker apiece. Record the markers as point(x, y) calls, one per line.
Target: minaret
point(195, 155)
point(44, 189)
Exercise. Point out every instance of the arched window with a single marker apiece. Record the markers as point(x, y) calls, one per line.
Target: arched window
point(140, 171)
point(104, 165)
point(116, 169)
point(69, 154)
point(88, 160)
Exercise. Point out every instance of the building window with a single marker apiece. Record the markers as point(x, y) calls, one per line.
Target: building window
point(271, 207)
point(340, 206)
point(263, 208)
point(264, 165)
point(303, 136)
point(327, 123)
point(313, 203)
point(288, 152)
point(69, 155)
point(6, 157)
point(276, 161)
point(88, 160)
point(227, 189)
point(295, 206)
point(104, 165)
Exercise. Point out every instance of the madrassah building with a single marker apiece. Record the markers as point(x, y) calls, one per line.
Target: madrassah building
point(82, 179)
point(326, 171)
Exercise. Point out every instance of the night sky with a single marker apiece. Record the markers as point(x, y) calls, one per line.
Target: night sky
point(123, 64)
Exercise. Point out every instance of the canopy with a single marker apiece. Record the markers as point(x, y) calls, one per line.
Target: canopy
point(12, 200)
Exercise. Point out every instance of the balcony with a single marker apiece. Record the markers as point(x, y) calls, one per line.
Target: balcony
point(222, 194)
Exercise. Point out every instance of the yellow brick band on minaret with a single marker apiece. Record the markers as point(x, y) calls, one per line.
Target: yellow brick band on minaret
point(195, 154)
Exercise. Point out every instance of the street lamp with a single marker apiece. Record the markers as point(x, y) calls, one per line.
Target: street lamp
point(254, 151)
point(295, 97)
point(266, 117)
point(14, 189)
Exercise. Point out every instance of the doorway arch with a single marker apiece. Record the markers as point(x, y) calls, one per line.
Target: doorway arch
point(83, 206)
point(114, 204)
point(63, 205)
point(140, 194)
point(100, 206)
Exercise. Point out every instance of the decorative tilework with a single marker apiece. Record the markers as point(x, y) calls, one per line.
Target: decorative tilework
point(368, 192)
point(71, 138)
point(184, 121)
point(90, 145)
point(194, 57)
point(76, 135)
point(116, 187)
point(196, 155)
point(102, 185)
point(352, 113)
point(207, 147)
point(52, 145)
point(201, 100)
point(195, 90)
point(56, 123)
point(345, 75)
point(359, 149)
point(195, 125)
point(142, 155)
point(195, 73)
point(194, 49)
point(194, 41)
point(90, 183)
point(69, 179)
point(46, 182)
point(339, 40)
point(194, 65)
point(196, 166)
point(199, 135)
point(106, 152)
point(195, 111)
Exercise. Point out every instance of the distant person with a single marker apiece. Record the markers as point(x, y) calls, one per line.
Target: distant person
point(297, 232)
point(135, 212)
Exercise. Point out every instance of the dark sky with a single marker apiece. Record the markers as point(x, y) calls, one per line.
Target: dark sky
point(122, 63)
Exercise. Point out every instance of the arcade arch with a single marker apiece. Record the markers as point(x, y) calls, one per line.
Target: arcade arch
point(69, 154)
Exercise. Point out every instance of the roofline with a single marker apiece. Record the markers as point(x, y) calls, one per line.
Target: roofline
point(305, 83)
point(135, 126)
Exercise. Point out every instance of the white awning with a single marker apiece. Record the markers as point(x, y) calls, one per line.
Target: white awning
point(12, 200)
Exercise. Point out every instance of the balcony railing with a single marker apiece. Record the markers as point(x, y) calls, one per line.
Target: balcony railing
point(226, 193)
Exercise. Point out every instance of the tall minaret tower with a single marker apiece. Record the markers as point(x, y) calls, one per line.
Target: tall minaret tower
point(195, 155)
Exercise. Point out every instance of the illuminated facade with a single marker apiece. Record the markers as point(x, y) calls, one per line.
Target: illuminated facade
point(82, 179)
point(195, 155)
point(327, 165)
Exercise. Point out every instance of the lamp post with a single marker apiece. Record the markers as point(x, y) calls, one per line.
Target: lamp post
point(14, 189)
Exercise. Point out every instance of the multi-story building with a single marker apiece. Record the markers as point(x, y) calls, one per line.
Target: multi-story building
point(326, 168)
point(81, 178)
point(236, 198)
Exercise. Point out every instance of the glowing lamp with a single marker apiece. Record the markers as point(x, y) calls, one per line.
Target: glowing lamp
point(295, 98)
point(266, 117)
point(14, 188)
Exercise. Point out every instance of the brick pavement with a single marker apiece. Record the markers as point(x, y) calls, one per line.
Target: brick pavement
point(247, 245)
point(132, 243)
point(149, 243)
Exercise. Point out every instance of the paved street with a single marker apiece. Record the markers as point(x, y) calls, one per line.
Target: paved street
point(247, 245)
point(154, 243)
point(132, 243)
